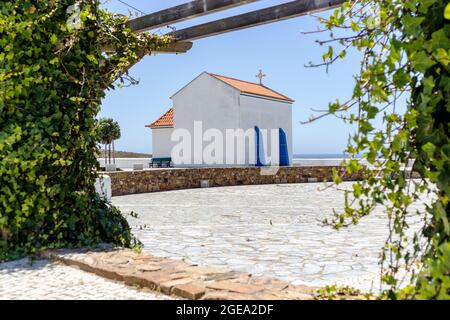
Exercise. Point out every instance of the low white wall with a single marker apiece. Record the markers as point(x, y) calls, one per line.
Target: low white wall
point(316, 162)
point(299, 162)
point(103, 187)
point(126, 163)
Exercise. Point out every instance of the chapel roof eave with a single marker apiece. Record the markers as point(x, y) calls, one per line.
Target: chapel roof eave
point(165, 121)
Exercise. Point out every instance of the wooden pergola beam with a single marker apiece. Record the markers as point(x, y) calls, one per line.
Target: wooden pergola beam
point(255, 18)
point(182, 38)
point(182, 12)
point(174, 47)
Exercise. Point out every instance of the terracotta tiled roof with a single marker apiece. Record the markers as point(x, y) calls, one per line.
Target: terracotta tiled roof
point(166, 120)
point(252, 88)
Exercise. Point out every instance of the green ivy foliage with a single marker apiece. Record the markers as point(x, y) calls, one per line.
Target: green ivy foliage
point(57, 58)
point(405, 47)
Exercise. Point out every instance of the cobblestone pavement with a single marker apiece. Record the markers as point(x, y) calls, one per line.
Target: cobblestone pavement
point(44, 280)
point(268, 230)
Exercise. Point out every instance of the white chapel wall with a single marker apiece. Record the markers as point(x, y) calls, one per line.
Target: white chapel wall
point(267, 114)
point(162, 145)
point(209, 100)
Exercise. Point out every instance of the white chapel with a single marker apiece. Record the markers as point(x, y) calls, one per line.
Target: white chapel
point(221, 121)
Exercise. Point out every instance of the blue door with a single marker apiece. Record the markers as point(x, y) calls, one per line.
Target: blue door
point(284, 150)
point(259, 146)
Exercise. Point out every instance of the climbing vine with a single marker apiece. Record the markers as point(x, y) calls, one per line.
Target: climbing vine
point(57, 58)
point(405, 48)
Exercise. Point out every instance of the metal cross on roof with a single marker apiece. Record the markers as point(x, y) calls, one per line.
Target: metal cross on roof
point(261, 76)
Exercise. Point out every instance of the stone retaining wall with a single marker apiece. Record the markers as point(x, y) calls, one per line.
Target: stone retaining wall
point(131, 182)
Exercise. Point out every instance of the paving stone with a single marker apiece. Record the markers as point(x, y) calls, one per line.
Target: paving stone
point(223, 295)
point(220, 276)
point(166, 287)
point(271, 285)
point(235, 287)
point(148, 268)
point(189, 291)
point(117, 261)
point(297, 296)
point(153, 280)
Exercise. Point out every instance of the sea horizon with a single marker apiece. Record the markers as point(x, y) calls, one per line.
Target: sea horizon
point(321, 156)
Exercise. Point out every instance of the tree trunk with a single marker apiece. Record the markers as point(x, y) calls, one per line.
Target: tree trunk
point(105, 155)
point(109, 153)
point(114, 153)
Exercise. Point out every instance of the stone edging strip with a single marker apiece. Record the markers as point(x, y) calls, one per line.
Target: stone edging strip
point(179, 278)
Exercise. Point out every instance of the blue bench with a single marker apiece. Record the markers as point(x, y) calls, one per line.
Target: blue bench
point(160, 163)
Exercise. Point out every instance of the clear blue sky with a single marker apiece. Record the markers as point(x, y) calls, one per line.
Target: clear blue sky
point(280, 49)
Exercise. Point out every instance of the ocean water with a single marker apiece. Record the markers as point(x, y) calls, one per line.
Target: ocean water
point(321, 156)
point(322, 159)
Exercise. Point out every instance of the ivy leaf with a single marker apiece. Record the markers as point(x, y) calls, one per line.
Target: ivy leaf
point(335, 175)
point(425, 4)
point(91, 58)
point(412, 24)
point(401, 78)
point(421, 61)
point(429, 149)
point(53, 39)
point(447, 12)
point(328, 55)
point(440, 40)
point(354, 26)
point(442, 56)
